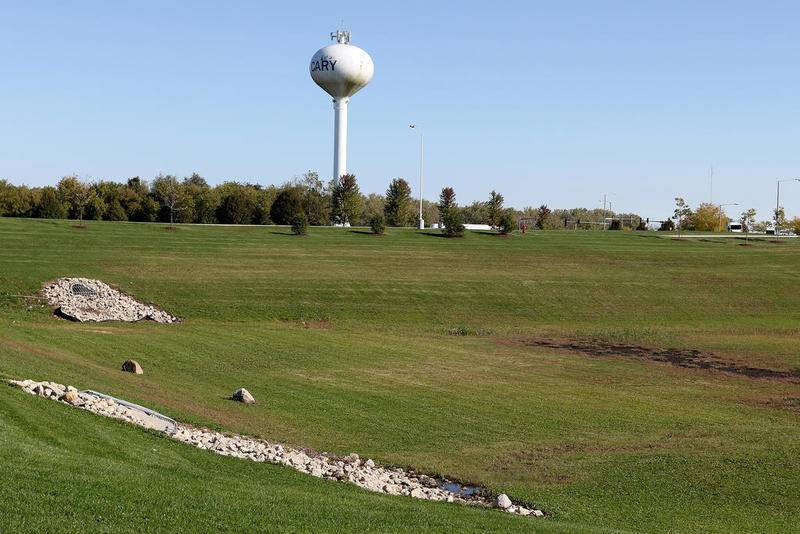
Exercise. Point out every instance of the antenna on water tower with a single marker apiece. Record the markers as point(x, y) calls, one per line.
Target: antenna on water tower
point(341, 36)
point(341, 70)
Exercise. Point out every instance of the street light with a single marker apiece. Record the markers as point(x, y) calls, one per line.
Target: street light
point(722, 211)
point(778, 205)
point(421, 167)
point(604, 207)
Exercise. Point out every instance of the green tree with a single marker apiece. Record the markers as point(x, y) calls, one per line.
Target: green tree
point(709, 218)
point(371, 205)
point(237, 203)
point(475, 213)
point(748, 221)
point(287, 205)
point(50, 206)
point(779, 216)
point(430, 211)
point(794, 225)
point(507, 222)
point(76, 195)
point(300, 224)
point(542, 214)
point(681, 214)
point(346, 200)
point(264, 199)
point(494, 209)
point(315, 199)
point(137, 201)
point(166, 190)
point(96, 205)
point(398, 208)
point(377, 223)
point(449, 213)
point(201, 201)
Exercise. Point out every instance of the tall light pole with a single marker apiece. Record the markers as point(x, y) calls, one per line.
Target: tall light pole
point(604, 207)
point(778, 205)
point(421, 169)
point(722, 211)
point(711, 187)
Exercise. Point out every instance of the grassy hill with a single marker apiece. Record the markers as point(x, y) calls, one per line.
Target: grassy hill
point(484, 359)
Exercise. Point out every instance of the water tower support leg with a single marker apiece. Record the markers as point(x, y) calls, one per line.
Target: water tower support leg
point(340, 137)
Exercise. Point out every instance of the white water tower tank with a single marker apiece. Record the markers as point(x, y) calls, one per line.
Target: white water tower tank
point(341, 69)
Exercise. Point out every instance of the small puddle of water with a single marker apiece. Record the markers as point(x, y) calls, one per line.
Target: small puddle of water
point(461, 489)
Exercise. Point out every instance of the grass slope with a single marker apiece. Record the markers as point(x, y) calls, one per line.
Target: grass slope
point(343, 337)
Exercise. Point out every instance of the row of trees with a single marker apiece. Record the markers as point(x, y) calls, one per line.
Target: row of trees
point(191, 200)
point(712, 218)
point(167, 198)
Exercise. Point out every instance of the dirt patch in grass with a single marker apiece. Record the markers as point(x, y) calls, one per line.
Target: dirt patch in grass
point(320, 324)
point(462, 330)
point(782, 402)
point(686, 358)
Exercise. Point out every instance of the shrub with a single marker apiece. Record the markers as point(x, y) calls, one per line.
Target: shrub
point(616, 224)
point(507, 223)
point(377, 223)
point(238, 205)
point(300, 224)
point(453, 225)
point(287, 206)
point(667, 226)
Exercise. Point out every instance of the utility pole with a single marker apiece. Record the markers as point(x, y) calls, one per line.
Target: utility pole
point(421, 168)
point(711, 193)
point(606, 207)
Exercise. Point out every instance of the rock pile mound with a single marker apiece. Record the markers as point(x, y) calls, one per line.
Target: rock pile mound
point(87, 300)
point(96, 403)
point(364, 473)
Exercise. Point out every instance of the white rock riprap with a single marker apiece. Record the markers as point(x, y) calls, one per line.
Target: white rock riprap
point(363, 473)
point(87, 300)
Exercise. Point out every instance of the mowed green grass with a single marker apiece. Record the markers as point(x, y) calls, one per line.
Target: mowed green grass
point(343, 339)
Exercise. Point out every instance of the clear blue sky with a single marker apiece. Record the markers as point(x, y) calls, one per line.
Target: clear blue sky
point(547, 102)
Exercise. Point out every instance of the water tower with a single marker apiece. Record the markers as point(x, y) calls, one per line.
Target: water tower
point(341, 69)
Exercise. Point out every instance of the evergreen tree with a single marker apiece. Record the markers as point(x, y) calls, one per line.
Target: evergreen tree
point(447, 199)
point(541, 216)
point(449, 213)
point(345, 200)
point(494, 209)
point(398, 208)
